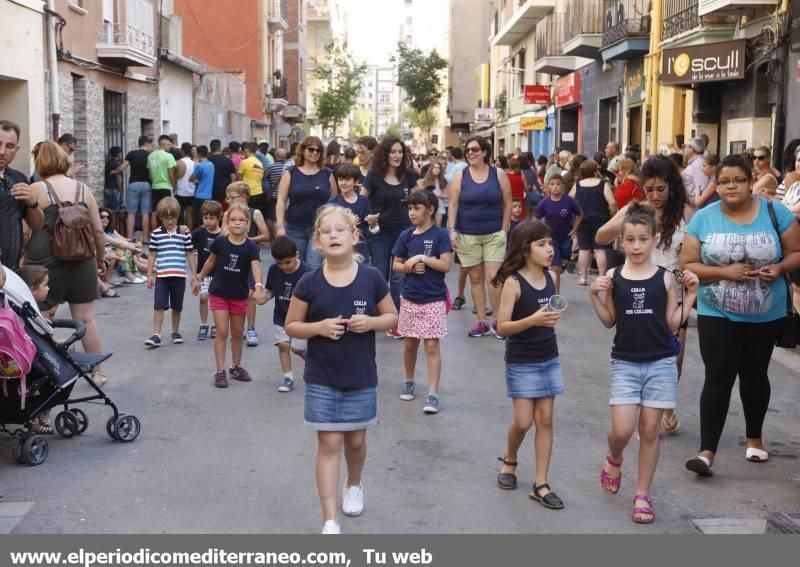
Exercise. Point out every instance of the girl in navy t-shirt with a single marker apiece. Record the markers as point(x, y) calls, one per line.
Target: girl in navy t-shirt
point(424, 254)
point(642, 302)
point(533, 368)
point(233, 259)
point(338, 308)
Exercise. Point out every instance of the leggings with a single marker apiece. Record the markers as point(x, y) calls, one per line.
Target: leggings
point(729, 349)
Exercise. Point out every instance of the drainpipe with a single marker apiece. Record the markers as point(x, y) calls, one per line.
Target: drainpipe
point(653, 73)
point(52, 63)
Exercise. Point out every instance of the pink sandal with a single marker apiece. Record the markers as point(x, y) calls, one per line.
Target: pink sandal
point(608, 482)
point(646, 510)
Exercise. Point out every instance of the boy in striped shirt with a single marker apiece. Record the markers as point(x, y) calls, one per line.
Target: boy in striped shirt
point(170, 253)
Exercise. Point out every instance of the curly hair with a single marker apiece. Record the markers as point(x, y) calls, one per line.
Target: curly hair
point(663, 168)
point(380, 157)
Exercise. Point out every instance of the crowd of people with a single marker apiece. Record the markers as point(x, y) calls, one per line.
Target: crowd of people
point(361, 242)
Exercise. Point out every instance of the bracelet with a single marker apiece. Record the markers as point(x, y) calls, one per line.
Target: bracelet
point(259, 284)
point(452, 230)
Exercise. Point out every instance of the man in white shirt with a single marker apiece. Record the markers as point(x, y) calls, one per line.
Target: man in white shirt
point(694, 180)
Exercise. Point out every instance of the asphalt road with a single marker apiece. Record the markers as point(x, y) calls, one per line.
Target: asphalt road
point(241, 461)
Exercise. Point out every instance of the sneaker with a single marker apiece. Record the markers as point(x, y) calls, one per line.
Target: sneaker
point(480, 329)
point(352, 500)
point(458, 303)
point(494, 330)
point(287, 386)
point(431, 404)
point(251, 337)
point(202, 334)
point(331, 528)
point(394, 333)
point(154, 341)
point(213, 332)
point(220, 379)
point(177, 338)
point(240, 374)
point(407, 393)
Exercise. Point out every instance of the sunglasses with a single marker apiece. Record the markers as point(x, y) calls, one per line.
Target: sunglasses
point(760, 158)
point(474, 150)
point(314, 150)
point(105, 217)
point(433, 154)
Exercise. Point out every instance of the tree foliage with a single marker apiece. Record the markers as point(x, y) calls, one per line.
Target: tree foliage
point(420, 75)
point(393, 129)
point(360, 121)
point(341, 83)
point(425, 121)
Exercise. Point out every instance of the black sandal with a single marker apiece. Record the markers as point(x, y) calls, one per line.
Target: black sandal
point(507, 481)
point(549, 500)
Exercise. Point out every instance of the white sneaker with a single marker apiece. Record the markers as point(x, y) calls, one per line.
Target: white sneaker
point(331, 528)
point(352, 500)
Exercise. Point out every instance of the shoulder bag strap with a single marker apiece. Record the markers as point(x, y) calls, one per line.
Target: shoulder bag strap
point(774, 218)
point(52, 194)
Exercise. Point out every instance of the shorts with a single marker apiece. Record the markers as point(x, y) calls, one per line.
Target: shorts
point(138, 198)
point(586, 239)
point(71, 282)
point(205, 284)
point(795, 277)
point(157, 194)
point(562, 251)
point(442, 210)
point(334, 409)
point(111, 199)
point(185, 203)
point(232, 306)
point(259, 202)
point(169, 294)
point(534, 380)
point(422, 320)
point(648, 384)
point(474, 249)
point(282, 337)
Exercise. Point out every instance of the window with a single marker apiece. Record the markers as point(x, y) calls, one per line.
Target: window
point(140, 15)
point(385, 98)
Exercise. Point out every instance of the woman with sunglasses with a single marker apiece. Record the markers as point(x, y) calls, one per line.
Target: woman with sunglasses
point(665, 193)
point(478, 220)
point(307, 186)
point(765, 177)
point(739, 248)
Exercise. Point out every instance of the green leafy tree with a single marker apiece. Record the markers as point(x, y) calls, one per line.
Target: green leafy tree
point(421, 76)
point(341, 83)
point(360, 121)
point(393, 129)
point(425, 121)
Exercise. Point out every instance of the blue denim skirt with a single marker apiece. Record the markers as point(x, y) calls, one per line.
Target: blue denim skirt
point(333, 409)
point(535, 379)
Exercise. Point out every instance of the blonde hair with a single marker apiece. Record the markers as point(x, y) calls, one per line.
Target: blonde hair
point(241, 207)
point(50, 159)
point(168, 207)
point(239, 188)
point(627, 166)
point(347, 216)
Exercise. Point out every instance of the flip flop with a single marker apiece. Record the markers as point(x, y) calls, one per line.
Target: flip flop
point(756, 455)
point(700, 465)
point(670, 424)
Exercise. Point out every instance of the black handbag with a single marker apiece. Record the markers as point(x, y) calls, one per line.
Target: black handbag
point(789, 336)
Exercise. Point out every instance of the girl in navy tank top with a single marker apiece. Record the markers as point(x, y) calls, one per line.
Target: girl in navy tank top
point(642, 302)
point(533, 370)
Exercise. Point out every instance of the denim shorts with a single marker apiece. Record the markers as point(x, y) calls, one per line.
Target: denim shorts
point(562, 251)
point(648, 384)
point(138, 198)
point(534, 379)
point(334, 409)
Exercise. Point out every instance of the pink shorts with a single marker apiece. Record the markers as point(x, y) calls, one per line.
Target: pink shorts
point(232, 306)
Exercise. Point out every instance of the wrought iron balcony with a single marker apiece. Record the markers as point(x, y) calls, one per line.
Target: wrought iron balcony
point(681, 16)
point(626, 29)
point(124, 45)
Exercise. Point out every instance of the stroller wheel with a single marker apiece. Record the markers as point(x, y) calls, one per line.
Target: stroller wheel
point(128, 428)
point(66, 424)
point(83, 419)
point(18, 451)
point(35, 450)
point(111, 426)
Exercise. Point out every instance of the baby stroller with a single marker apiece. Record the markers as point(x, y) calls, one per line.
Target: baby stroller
point(53, 375)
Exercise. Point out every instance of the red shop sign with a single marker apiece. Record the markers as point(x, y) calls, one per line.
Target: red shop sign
point(568, 90)
point(537, 94)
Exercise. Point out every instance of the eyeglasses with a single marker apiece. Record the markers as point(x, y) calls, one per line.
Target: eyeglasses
point(434, 154)
point(737, 181)
point(314, 150)
point(237, 220)
point(474, 150)
point(105, 217)
point(760, 158)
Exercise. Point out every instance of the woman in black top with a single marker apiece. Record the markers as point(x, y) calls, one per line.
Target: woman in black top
point(597, 202)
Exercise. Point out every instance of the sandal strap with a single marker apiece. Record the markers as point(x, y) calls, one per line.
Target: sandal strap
point(612, 462)
point(505, 462)
point(642, 497)
point(536, 488)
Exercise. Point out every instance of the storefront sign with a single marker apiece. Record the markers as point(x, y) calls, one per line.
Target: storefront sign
point(794, 25)
point(703, 63)
point(568, 90)
point(533, 123)
point(537, 94)
point(634, 82)
point(484, 115)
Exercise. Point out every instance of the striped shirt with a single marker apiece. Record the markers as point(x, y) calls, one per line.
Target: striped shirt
point(274, 173)
point(170, 249)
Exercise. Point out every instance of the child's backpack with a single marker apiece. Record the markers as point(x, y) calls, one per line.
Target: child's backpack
point(17, 350)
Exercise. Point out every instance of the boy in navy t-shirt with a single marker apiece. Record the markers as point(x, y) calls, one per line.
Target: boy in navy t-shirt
point(202, 238)
point(347, 175)
point(282, 278)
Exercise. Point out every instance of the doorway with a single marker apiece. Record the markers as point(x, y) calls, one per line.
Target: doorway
point(635, 126)
point(569, 129)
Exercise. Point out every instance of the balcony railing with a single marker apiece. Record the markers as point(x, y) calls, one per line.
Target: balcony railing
point(125, 35)
point(683, 15)
point(550, 35)
point(626, 29)
point(318, 8)
point(278, 14)
point(584, 17)
point(280, 89)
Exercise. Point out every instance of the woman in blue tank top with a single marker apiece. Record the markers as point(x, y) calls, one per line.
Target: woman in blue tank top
point(478, 221)
point(303, 189)
point(642, 302)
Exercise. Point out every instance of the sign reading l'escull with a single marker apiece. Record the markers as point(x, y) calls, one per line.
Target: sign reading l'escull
point(703, 63)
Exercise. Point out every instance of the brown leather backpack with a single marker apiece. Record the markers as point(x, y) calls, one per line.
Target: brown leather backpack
point(72, 236)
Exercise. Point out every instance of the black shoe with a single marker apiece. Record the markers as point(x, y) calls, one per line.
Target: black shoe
point(549, 500)
point(507, 481)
